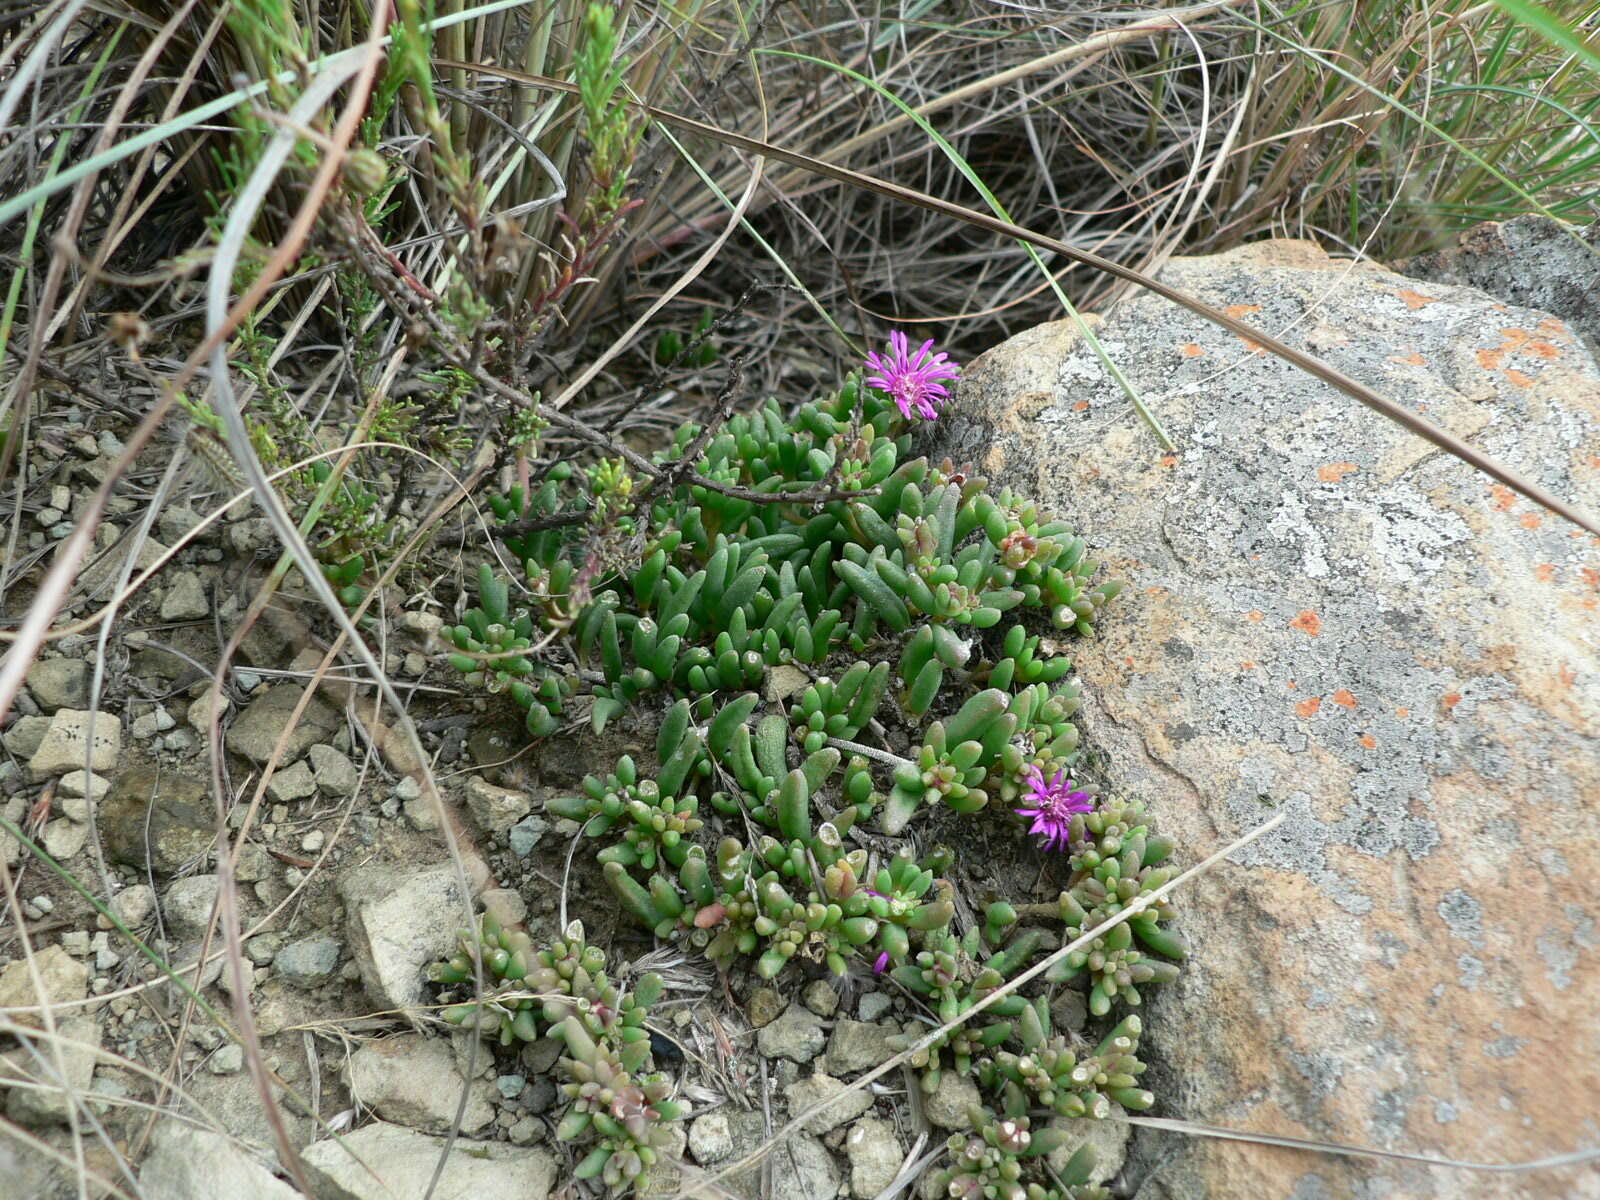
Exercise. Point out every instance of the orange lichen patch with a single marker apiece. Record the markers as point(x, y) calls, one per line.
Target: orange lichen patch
point(1518, 378)
point(1414, 299)
point(1308, 708)
point(1489, 360)
point(1344, 699)
point(1237, 311)
point(1591, 576)
point(1080, 406)
point(1504, 497)
point(1594, 460)
point(1307, 623)
point(1402, 713)
point(1451, 699)
point(1531, 520)
point(1169, 460)
point(1247, 664)
point(1367, 740)
point(1291, 685)
point(1255, 614)
point(1415, 359)
point(1567, 675)
point(1334, 472)
point(1127, 662)
point(1554, 325)
point(1545, 572)
point(1190, 350)
point(1540, 348)
point(1253, 347)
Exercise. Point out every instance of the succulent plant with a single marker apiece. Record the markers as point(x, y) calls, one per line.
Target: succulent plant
point(998, 1159)
point(906, 604)
point(1053, 1073)
point(617, 1102)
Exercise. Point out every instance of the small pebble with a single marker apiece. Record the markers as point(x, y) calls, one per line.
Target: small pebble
point(312, 842)
point(874, 1004)
point(227, 1061)
point(511, 1085)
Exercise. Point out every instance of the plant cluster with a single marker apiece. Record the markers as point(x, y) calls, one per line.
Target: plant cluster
point(830, 598)
point(616, 1102)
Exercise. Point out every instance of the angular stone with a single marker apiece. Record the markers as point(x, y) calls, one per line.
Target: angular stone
point(874, 1005)
point(843, 1103)
point(308, 962)
point(195, 1164)
point(1329, 618)
point(764, 1006)
point(858, 1046)
point(403, 1162)
point(526, 834)
point(710, 1138)
point(294, 782)
point(25, 736)
point(796, 1035)
point(821, 998)
point(64, 979)
point(947, 1107)
point(875, 1156)
point(399, 922)
point(100, 574)
point(133, 906)
point(157, 819)
point(495, 809)
point(60, 683)
point(78, 784)
point(64, 838)
point(256, 730)
point(188, 904)
point(65, 745)
point(185, 599)
point(78, 1042)
point(801, 1167)
point(199, 712)
point(335, 774)
point(413, 1081)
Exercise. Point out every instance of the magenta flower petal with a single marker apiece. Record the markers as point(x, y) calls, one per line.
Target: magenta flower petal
point(882, 965)
point(915, 382)
point(1054, 803)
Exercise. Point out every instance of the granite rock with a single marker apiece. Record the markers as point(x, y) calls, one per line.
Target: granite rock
point(1329, 618)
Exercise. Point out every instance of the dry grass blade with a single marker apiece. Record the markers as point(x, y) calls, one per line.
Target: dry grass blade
point(1394, 411)
point(318, 92)
point(1198, 1129)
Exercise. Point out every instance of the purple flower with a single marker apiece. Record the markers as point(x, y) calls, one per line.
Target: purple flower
point(882, 965)
point(1054, 803)
point(913, 381)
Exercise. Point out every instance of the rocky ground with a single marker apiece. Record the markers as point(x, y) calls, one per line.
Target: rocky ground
point(345, 895)
point(1262, 663)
